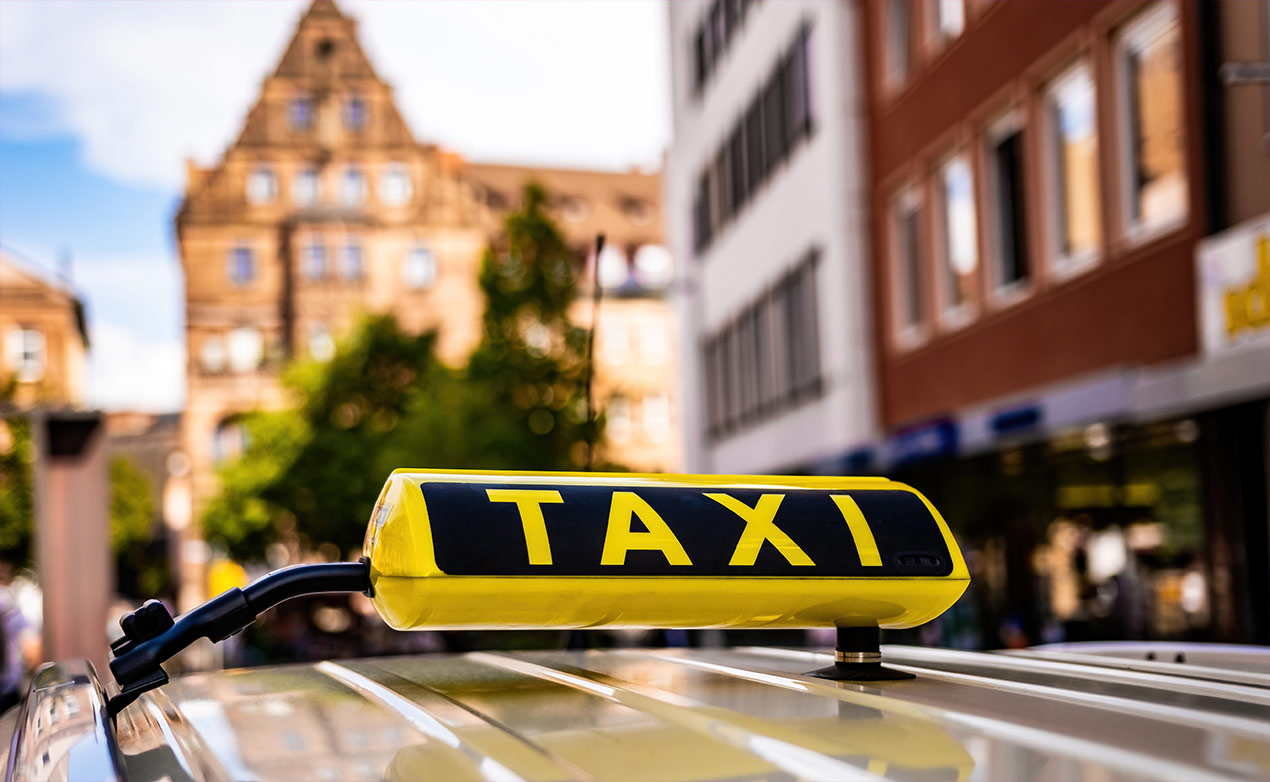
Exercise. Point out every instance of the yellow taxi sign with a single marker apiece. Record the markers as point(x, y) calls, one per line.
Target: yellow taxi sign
point(464, 549)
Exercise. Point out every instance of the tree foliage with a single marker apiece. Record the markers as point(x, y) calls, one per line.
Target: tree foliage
point(131, 505)
point(17, 508)
point(310, 475)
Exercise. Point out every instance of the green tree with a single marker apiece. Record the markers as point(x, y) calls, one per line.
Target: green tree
point(530, 367)
point(131, 505)
point(314, 471)
point(17, 507)
point(383, 401)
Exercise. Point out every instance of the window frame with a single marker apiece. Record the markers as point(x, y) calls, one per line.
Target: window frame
point(346, 176)
point(306, 172)
point(1061, 265)
point(950, 317)
point(262, 172)
point(1140, 28)
point(420, 249)
point(396, 169)
point(315, 260)
point(29, 353)
point(897, 73)
point(353, 122)
point(231, 262)
point(908, 199)
point(1004, 294)
point(310, 120)
point(342, 261)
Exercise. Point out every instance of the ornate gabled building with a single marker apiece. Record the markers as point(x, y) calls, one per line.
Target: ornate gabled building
point(326, 207)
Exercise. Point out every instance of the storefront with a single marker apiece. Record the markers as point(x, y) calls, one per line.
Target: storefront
point(1127, 505)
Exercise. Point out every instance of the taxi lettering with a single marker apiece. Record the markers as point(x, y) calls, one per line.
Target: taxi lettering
point(627, 509)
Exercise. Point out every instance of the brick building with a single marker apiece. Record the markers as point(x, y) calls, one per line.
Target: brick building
point(1043, 180)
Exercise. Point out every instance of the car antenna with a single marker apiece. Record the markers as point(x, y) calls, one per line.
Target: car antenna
point(151, 636)
point(590, 353)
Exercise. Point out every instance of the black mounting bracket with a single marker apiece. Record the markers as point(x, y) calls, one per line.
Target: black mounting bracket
point(151, 636)
point(858, 658)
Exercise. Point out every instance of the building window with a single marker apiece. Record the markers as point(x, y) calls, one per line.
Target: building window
point(719, 25)
point(1007, 206)
point(897, 18)
point(617, 419)
point(780, 116)
point(656, 415)
point(26, 350)
point(1149, 55)
point(228, 441)
point(300, 113)
point(246, 349)
point(958, 249)
point(321, 343)
point(613, 270)
point(306, 187)
point(355, 113)
point(615, 339)
point(653, 342)
point(313, 262)
point(420, 268)
point(352, 187)
point(908, 264)
point(950, 18)
point(1072, 150)
point(212, 354)
point(241, 265)
point(395, 188)
point(768, 357)
point(654, 267)
point(262, 186)
point(352, 263)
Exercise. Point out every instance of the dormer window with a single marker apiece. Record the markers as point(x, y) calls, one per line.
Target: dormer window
point(300, 113)
point(352, 187)
point(262, 186)
point(395, 188)
point(325, 48)
point(355, 113)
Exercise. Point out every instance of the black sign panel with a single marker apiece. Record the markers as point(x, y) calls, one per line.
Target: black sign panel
point(475, 535)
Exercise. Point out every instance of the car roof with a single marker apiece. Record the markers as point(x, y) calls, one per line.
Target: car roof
point(689, 714)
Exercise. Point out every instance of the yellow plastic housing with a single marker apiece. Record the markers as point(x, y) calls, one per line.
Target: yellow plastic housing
point(734, 561)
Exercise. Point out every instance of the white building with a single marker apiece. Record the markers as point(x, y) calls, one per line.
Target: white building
point(767, 203)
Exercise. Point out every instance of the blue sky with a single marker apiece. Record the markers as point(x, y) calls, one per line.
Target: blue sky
point(101, 103)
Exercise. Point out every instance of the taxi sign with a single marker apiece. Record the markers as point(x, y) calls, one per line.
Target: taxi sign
point(472, 549)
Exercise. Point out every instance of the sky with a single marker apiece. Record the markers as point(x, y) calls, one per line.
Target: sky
point(102, 102)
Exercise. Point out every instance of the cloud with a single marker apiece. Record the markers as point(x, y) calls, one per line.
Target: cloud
point(137, 349)
point(145, 84)
point(127, 372)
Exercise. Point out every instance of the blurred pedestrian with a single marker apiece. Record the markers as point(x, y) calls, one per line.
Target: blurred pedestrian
point(19, 645)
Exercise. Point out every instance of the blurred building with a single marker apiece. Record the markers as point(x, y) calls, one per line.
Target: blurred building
point(768, 202)
point(44, 333)
point(1059, 257)
point(326, 207)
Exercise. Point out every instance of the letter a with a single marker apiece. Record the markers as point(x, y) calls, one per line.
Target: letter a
point(620, 538)
point(760, 526)
point(529, 505)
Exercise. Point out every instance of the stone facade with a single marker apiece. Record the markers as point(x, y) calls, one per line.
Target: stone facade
point(44, 335)
point(326, 208)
